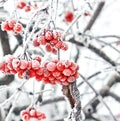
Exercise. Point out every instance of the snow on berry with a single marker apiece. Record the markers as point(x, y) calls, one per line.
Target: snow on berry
point(5, 26)
point(32, 113)
point(60, 72)
point(21, 4)
point(16, 63)
point(23, 64)
point(12, 26)
point(27, 8)
point(51, 66)
point(17, 28)
point(49, 35)
point(35, 64)
point(35, 42)
point(51, 39)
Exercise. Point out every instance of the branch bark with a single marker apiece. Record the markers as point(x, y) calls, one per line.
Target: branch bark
point(95, 16)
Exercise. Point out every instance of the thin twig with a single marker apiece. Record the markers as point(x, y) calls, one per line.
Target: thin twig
point(99, 97)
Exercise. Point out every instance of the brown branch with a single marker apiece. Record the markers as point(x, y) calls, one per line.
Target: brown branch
point(95, 16)
point(67, 93)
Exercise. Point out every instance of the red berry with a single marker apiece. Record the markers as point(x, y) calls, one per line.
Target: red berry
point(42, 40)
point(64, 46)
point(35, 5)
point(69, 16)
point(21, 5)
point(67, 72)
point(35, 64)
point(49, 35)
point(11, 23)
point(71, 79)
point(31, 73)
point(17, 28)
point(16, 63)
point(48, 47)
point(35, 42)
point(54, 51)
point(58, 45)
point(27, 8)
point(46, 73)
point(86, 13)
point(5, 26)
point(51, 66)
point(65, 83)
point(2, 66)
point(26, 117)
point(60, 66)
point(38, 58)
point(40, 71)
point(32, 113)
point(23, 64)
point(56, 74)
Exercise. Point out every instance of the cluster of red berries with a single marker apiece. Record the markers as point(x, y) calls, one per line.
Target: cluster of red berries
point(54, 72)
point(23, 5)
point(32, 113)
point(11, 25)
point(69, 16)
point(60, 72)
point(51, 40)
point(22, 67)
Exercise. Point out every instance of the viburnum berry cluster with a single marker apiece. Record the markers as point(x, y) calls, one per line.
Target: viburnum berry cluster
point(23, 5)
point(53, 72)
point(12, 26)
point(51, 40)
point(32, 113)
point(22, 67)
point(60, 72)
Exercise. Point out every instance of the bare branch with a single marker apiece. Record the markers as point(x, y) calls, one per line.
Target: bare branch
point(95, 15)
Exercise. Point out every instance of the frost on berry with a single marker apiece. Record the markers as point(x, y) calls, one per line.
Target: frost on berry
point(32, 113)
point(21, 4)
point(60, 72)
point(12, 26)
point(35, 42)
point(17, 28)
point(51, 66)
point(23, 64)
point(51, 39)
point(64, 46)
point(11, 23)
point(35, 64)
point(49, 35)
point(16, 63)
point(27, 8)
point(67, 72)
